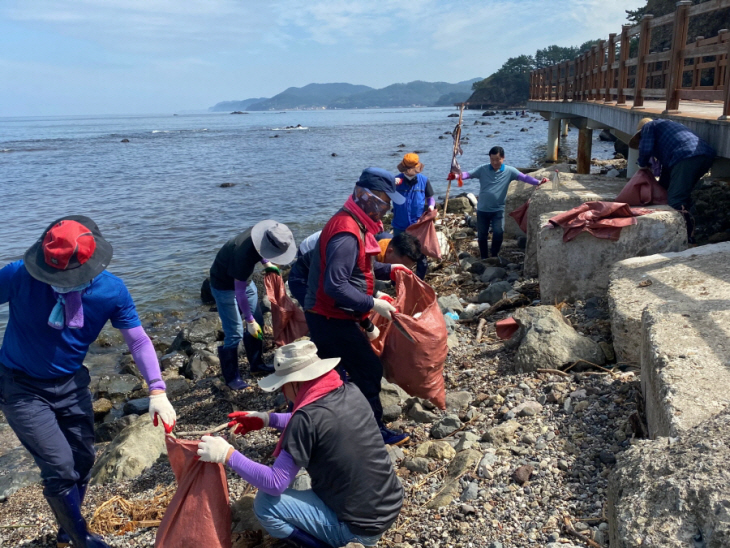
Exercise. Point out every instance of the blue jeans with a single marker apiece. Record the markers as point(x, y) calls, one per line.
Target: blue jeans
point(54, 420)
point(305, 511)
point(232, 323)
point(484, 220)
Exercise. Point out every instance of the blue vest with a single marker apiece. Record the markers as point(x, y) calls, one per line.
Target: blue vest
point(406, 214)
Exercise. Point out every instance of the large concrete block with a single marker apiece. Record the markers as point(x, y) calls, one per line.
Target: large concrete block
point(576, 190)
point(579, 269)
point(685, 363)
point(695, 276)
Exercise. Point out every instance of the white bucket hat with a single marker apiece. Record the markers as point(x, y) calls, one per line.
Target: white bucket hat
point(296, 362)
point(274, 241)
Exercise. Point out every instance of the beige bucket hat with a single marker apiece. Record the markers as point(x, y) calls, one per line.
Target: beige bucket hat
point(296, 362)
point(634, 141)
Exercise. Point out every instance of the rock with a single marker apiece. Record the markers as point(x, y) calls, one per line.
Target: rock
point(419, 465)
point(206, 295)
point(466, 441)
point(546, 340)
point(419, 414)
point(109, 430)
point(502, 434)
point(196, 366)
point(243, 517)
point(471, 492)
point(176, 387)
point(522, 474)
point(227, 185)
point(467, 509)
point(607, 458)
point(494, 292)
point(18, 470)
point(173, 360)
point(463, 462)
point(136, 448)
point(391, 413)
point(128, 367)
point(606, 135)
point(391, 394)
point(527, 409)
point(456, 401)
point(445, 426)
point(101, 407)
point(452, 341)
point(124, 141)
point(612, 173)
point(118, 387)
point(459, 205)
point(477, 268)
point(580, 406)
point(440, 450)
point(607, 351)
point(450, 303)
point(202, 330)
point(138, 406)
point(493, 273)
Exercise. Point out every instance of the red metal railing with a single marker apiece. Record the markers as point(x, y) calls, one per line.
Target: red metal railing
point(698, 70)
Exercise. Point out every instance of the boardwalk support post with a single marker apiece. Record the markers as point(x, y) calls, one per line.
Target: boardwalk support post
point(585, 142)
point(553, 138)
point(679, 41)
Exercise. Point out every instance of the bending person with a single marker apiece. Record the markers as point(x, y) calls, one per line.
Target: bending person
point(494, 180)
point(355, 494)
point(60, 296)
point(341, 284)
point(236, 295)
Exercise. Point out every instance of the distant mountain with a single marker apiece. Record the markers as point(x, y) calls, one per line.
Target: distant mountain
point(309, 96)
point(228, 106)
point(416, 93)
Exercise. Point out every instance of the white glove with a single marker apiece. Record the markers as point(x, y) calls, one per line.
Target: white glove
point(384, 308)
point(213, 449)
point(254, 329)
point(161, 407)
point(374, 334)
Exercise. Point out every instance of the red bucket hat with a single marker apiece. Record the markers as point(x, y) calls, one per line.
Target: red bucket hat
point(70, 252)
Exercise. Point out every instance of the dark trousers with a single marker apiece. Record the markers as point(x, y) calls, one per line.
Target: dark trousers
point(298, 288)
point(682, 177)
point(344, 339)
point(421, 264)
point(54, 420)
point(485, 219)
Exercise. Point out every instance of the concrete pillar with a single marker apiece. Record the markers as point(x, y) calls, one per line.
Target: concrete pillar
point(552, 139)
point(585, 142)
point(564, 130)
point(631, 166)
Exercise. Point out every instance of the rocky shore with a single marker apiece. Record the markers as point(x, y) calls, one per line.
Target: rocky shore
point(520, 457)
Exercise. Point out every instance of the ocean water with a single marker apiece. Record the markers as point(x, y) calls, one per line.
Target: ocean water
point(158, 200)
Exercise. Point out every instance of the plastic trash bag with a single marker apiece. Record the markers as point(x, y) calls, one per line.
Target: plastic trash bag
point(425, 231)
point(642, 189)
point(199, 514)
point(287, 318)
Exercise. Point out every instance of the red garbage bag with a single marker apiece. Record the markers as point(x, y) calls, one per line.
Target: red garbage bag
point(425, 231)
point(287, 318)
point(520, 216)
point(506, 328)
point(642, 189)
point(415, 362)
point(199, 514)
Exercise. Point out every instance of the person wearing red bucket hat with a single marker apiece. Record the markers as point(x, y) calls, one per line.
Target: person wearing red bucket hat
point(60, 296)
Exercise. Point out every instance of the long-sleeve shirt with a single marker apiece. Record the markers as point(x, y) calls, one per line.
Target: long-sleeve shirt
point(670, 142)
point(493, 185)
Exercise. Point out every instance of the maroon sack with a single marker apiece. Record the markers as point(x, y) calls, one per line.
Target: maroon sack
point(425, 231)
point(286, 317)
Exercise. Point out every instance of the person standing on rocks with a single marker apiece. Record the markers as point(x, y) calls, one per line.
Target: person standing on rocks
point(355, 494)
point(684, 158)
point(60, 296)
point(341, 284)
point(236, 295)
point(416, 189)
point(494, 180)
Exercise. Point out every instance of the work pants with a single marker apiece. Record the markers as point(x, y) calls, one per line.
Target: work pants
point(681, 178)
point(54, 420)
point(485, 219)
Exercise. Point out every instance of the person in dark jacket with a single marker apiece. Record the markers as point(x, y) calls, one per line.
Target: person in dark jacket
point(60, 297)
point(681, 157)
point(340, 287)
point(236, 296)
point(355, 494)
point(418, 193)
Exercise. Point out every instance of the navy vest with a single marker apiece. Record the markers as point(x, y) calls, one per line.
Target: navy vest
point(406, 214)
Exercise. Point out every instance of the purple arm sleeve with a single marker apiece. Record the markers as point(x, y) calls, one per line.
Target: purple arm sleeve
point(465, 175)
point(144, 356)
point(242, 300)
point(430, 201)
point(342, 253)
point(271, 480)
point(381, 270)
point(527, 179)
point(279, 420)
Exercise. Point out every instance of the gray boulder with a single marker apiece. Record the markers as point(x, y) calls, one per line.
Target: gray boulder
point(492, 274)
point(547, 340)
point(138, 406)
point(203, 331)
point(136, 448)
point(456, 401)
point(494, 292)
point(445, 426)
point(419, 414)
point(450, 303)
point(502, 434)
point(18, 470)
point(117, 387)
point(110, 430)
point(460, 204)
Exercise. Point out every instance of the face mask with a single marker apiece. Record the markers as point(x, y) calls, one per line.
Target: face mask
point(374, 207)
point(410, 177)
point(63, 290)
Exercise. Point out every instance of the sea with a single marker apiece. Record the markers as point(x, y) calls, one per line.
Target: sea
point(159, 199)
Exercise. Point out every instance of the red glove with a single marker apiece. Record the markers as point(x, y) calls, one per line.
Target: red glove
point(396, 268)
point(451, 176)
point(246, 421)
point(543, 181)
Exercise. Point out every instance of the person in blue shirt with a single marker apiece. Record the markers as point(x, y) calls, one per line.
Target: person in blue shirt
point(415, 187)
point(684, 159)
point(60, 296)
point(494, 180)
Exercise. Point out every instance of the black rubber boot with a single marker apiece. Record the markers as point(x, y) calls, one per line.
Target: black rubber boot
point(229, 367)
point(302, 539)
point(63, 540)
point(67, 509)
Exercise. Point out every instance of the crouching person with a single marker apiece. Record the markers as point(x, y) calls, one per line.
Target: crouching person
point(60, 297)
point(355, 494)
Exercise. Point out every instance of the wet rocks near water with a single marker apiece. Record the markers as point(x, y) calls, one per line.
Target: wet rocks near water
point(227, 185)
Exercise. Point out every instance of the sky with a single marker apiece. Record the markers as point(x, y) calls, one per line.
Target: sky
point(75, 57)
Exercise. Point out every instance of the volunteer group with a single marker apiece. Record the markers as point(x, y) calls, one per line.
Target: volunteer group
point(61, 295)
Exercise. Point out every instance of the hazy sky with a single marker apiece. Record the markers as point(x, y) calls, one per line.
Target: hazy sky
point(162, 56)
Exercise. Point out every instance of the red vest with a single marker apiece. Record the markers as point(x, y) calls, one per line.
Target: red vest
point(362, 276)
